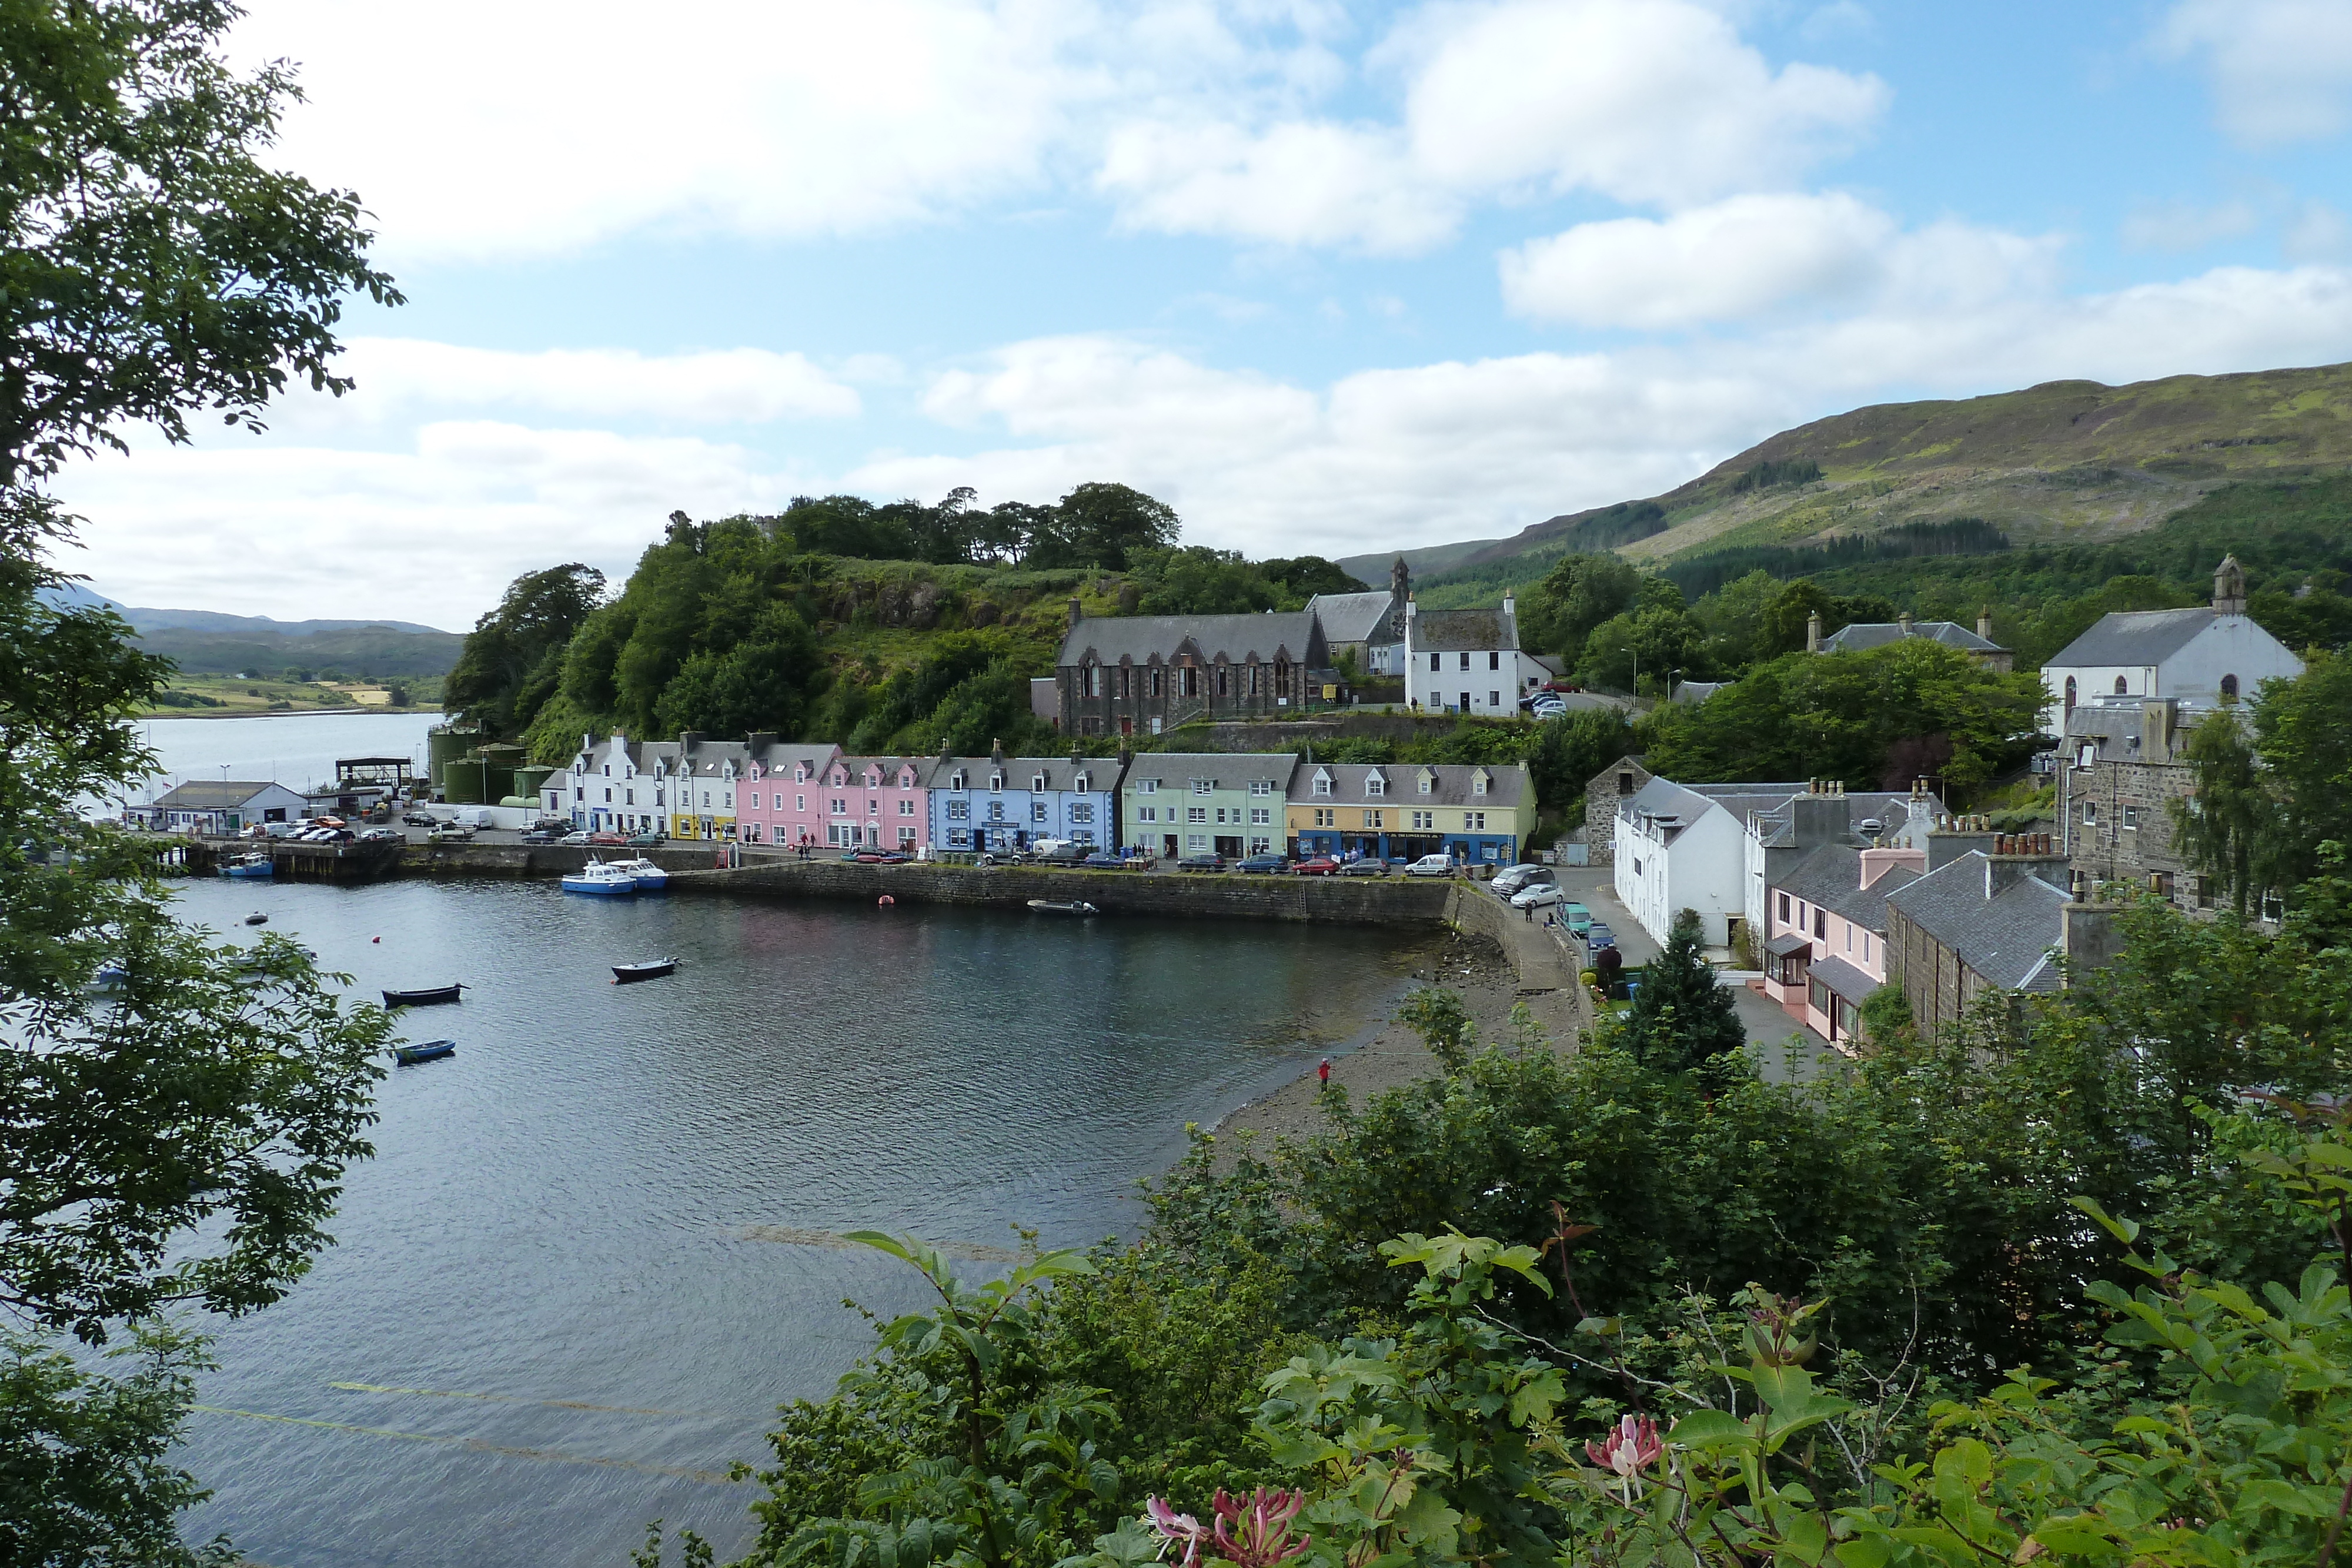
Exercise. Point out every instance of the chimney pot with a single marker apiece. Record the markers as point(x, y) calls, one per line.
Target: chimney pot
point(1984, 622)
point(1903, 621)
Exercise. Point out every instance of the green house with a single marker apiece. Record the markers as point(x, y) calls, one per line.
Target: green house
point(1176, 804)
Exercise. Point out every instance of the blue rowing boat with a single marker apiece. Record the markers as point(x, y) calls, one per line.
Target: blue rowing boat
point(430, 1050)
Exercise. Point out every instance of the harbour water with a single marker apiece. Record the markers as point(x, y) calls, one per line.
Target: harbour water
point(599, 1245)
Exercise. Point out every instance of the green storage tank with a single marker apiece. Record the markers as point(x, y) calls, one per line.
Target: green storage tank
point(530, 781)
point(500, 759)
point(445, 743)
point(465, 781)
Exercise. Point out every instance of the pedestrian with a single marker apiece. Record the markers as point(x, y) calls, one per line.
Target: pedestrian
point(1323, 1074)
point(1531, 914)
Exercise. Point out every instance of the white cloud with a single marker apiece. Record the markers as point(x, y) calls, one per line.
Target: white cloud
point(403, 375)
point(1654, 101)
point(2185, 225)
point(2281, 70)
point(1756, 255)
point(431, 533)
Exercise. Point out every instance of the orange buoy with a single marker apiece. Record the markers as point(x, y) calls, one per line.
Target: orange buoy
point(885, 901)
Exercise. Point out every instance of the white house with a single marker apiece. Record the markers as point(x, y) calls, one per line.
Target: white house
point(221, 807)
point(1467, 660)
point(2217, 653)
point(1679, 846)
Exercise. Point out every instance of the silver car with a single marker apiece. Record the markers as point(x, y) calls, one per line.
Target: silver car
point(1537, 895)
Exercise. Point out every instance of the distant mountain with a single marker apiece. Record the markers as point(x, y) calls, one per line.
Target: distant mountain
point(145, 619)
point(208, 642)
point(2065, 462)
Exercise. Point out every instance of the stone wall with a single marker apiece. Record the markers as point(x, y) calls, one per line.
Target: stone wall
point(1601, 798)
point(1938, 986)
point(541, 859)
point(2108, 850)
point(1353, 901)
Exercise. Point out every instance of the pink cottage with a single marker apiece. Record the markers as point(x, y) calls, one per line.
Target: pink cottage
point(1826, 933)
point(813, 795)
point(779, 784)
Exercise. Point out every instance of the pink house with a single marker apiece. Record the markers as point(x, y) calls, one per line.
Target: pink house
point(1826, 933)
point(778, 792)
point(813, 795)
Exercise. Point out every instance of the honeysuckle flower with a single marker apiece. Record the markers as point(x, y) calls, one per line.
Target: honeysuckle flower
point(1255, 1531)
point(1631, 1448)
point(1173, 1527)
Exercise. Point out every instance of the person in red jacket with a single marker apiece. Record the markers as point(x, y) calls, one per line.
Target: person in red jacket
point(1323, 1074)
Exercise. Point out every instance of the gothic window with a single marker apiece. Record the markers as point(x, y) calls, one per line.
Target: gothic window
point(2123, 687)
point(2229, 686)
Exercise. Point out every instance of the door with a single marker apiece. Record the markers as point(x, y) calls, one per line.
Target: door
point(1168, 845)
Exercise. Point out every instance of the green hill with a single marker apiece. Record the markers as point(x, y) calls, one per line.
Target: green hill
point(2060, 465)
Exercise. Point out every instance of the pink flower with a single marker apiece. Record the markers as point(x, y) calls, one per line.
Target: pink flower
point(1632, 1447)
point(1260, 1533)
point(1173, 1527)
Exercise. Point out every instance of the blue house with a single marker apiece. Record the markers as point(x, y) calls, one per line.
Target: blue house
point(999, 804)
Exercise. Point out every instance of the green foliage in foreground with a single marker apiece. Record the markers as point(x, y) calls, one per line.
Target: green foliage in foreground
point(1614, 1309)
point(2272, 804)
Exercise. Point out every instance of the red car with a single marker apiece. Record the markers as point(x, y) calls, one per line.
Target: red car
point(608, 837)
point(1322, 865)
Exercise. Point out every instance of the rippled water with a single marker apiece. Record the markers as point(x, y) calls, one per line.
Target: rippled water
point(560, 1283)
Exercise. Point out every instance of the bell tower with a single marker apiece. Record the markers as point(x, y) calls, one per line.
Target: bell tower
point(2229, 587)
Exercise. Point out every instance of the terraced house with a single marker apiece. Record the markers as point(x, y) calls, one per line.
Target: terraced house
point(1175, 803)
point(1406, 809)
point(998, 804)
point(697, 778)
point(776, 794)
point(609, 788)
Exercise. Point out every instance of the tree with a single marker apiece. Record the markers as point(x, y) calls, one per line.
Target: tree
point(1104, 525)
point(1681, 1017)
point(1576, 595)
point(2306, 742)
point(1303, 576)
point(1199, 581)
point(2223, 826)
point(150, 266)
point(512, 661)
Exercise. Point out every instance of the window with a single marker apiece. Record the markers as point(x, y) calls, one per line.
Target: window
point(1196, 840)
point(1820, 925)
point(1372, 820)
point(1082, 811)
point(1426, 783)
point(1221, 816)
point(905, 838)
point(1147, 814)
point(1196, 813)
point(608, 796)
point(2122, 686)
point(1036, 811)
point(1261, 816)
point(1261, 787)
point(2090, 813)
point(1261, 846)
point(2230, 688)
point(1478, 785)
point(1322, 784)
point(1494, 661)
point(1375, 785)
point(907, 807)
point(755, 800)
point(955, 779)
point(996, 810)
point(1082, 784)
point(1637, 865)
point(959, 839)
point(1473, 822)
point(1494, 699)
point(608, 771)
point(1036, 780)
point(1425, 821)
point(1324, 817)
point(706, 799)
point(1203, 786)
point(840, 808)
point(1433, 663)
point(1147, 787)
point(800, 802)
point(1625, 783)
point(995, 782)
point(958, 810)
point(2131, 817)
point(1466, 661)
point(1784, 908)
point(2086, 754)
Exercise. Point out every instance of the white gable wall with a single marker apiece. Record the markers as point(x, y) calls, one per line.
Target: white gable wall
point(1701, 869)
point(2231, 645)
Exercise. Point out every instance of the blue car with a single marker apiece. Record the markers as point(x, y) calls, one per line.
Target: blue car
point(1598, 935)
point(1262, 865)
point(1100, 861)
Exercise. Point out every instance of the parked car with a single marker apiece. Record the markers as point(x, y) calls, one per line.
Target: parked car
point(1431, 865)
point(573, 839)
point(1322, 865)
point(382, 836)
point(1103, 860)
point(652, 840)
point(1369, 866)
point(1576, 917)
point(1512, 878)
point(608, 837)
point(1536, 894)
point(1598, 935)
point(420, 819)
point(1548, 707)
point(449, 833)
point(1262, 865)
point(536, 836)
point(877, 857)
point(1202, 863)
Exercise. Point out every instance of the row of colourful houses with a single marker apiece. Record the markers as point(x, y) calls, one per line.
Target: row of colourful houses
point(761, 790)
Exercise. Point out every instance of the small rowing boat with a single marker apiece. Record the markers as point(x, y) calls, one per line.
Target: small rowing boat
point(1062, 906)
point(430, 1051)
point(651, 970)
point(430, 997)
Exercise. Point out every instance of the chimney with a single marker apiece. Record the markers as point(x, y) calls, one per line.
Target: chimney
point(1817, 817)
point(1412, 607)
point(2229, 587)
point(2160, 726)
point(1510, 603)
point(996, 752)
point(2088, 934)
point(1984, 622)
point(1078, 612)
point(1903, 621)
point(687, 739)
point(2014, 857)
point(1954, 837)
point(758, 742)
point(1877, 861)
point(1814, 632)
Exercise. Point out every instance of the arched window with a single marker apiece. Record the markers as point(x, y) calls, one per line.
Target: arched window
point(2230, 688)
point(2070, 693)
point(2123, 688)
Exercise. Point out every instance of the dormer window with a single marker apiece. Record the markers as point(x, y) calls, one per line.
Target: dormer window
point(1477, 784)
point(800, 773)
point(995, 783)
point(955, 780)
point(1079, 784)
point(1426, 782)
point(1375, 785)
point(1037, 783)
point(1322, 784)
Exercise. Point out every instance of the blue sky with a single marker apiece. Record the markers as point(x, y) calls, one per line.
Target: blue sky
point(1327, 278)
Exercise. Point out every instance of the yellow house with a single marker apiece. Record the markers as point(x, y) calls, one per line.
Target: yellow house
point(1404, 810)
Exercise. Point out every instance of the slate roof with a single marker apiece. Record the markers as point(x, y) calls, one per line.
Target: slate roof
point(1139, 639)
point(2006, 938)
point(1463, 630)
point(1893, 809)
point(1697, 691)
point(888, 767)
point(1507, 784)
point(1355, 617)
point(1665, 798)
point(784, 756)
point(211, 795)
point(2133, 637)
point(1019, 772)
point(1879, 633)
point(1831, 878)
point(1231, 770)
point(1843, 977)
point(1787, 942)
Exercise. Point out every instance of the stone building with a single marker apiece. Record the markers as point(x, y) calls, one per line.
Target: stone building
point(1994, 914)
point(1370, 625)
point(1858, 634)
point(1146, 675)
point(1619, 781)
point(2123, 765)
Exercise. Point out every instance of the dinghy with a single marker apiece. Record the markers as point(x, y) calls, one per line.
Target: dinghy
point(431, 996)
point(651, 970)
point(430, 1051)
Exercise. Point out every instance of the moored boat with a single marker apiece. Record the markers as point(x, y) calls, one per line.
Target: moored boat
point(1062, 906)
point(600, 880)
point(649, 877)
point(429, 1050)
point(248, 866)
point(651, 970)
point(425, 996)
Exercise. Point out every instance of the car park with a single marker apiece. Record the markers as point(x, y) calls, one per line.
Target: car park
point(1322, 865)
point(1536, 894)
point(1371, 866)
point(1431, 865)
point(1202, 863)
point(1576, 917)
point(1262, 865)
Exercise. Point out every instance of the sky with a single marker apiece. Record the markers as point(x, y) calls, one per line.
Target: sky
point(1325, 278)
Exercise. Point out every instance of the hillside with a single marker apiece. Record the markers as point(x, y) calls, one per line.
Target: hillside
point(2066, 462)
point(211, 643)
